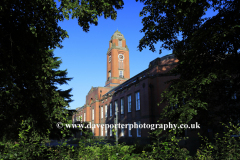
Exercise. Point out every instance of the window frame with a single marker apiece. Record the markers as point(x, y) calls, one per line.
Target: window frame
point(115, 106)
point(93, 114)
point(122, 105)
point(129, 130)
point(101, 112)
point(110, 109)
point(137, 98)
point(106, 110)
point(139, 129)
point(129, 103)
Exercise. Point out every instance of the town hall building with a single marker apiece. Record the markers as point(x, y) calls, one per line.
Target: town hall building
point(135, 98)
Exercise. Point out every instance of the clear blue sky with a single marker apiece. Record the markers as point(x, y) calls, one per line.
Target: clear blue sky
point(84, 54)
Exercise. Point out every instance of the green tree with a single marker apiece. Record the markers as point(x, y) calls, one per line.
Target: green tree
point(27, 77)
point(208, 53)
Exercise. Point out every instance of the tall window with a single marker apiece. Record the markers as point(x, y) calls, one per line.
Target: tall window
point(137, 96)
point(93, 114)
point(138, 129)
point(122, 106)
point(93, 130)
point(84, 117)
point(121, 73)
point(129, 103)
point(110, 109)
point(120, 43)
point(105, 110)
point(129, 130)
point(109, 75)
point(116, 108)
point(102, 112)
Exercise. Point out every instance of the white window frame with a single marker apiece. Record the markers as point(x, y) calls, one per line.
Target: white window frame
point(102, 112)
point(138, 129)
point(137, 97)
point(122, 105)
point(92, 114)
point(110, 109)
point(116, 105)
point(84, 117)
point(105, 110)
point(129, 103)
point(129, 130)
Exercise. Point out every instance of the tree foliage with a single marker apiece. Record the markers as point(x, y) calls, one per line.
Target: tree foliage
point(28, 69)
point(208, 53)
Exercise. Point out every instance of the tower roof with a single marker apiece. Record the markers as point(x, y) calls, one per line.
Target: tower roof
point(117, 35)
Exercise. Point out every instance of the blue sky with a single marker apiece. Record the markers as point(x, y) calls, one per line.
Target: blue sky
point(84, 54)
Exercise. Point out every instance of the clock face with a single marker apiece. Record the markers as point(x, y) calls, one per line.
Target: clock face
point(110, 58)
point(120, 57)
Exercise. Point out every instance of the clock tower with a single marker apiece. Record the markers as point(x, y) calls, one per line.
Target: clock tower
point(117, 61)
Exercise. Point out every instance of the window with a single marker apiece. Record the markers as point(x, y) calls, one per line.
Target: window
point(121, 74)
point(138, 129)
point(110, 109)
point(101, 131)
point(137, 96)
point(129, 130)
point(105, 110)
point(122, 132)
point(116, 109)
point(102, 112)
point(110, 130)
point(120, 43)
point(84, 117)
point(109, 74)
point(93, 114)
point(129, 103)
point(93, 131)
point(105, 131)
point(122, 106)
